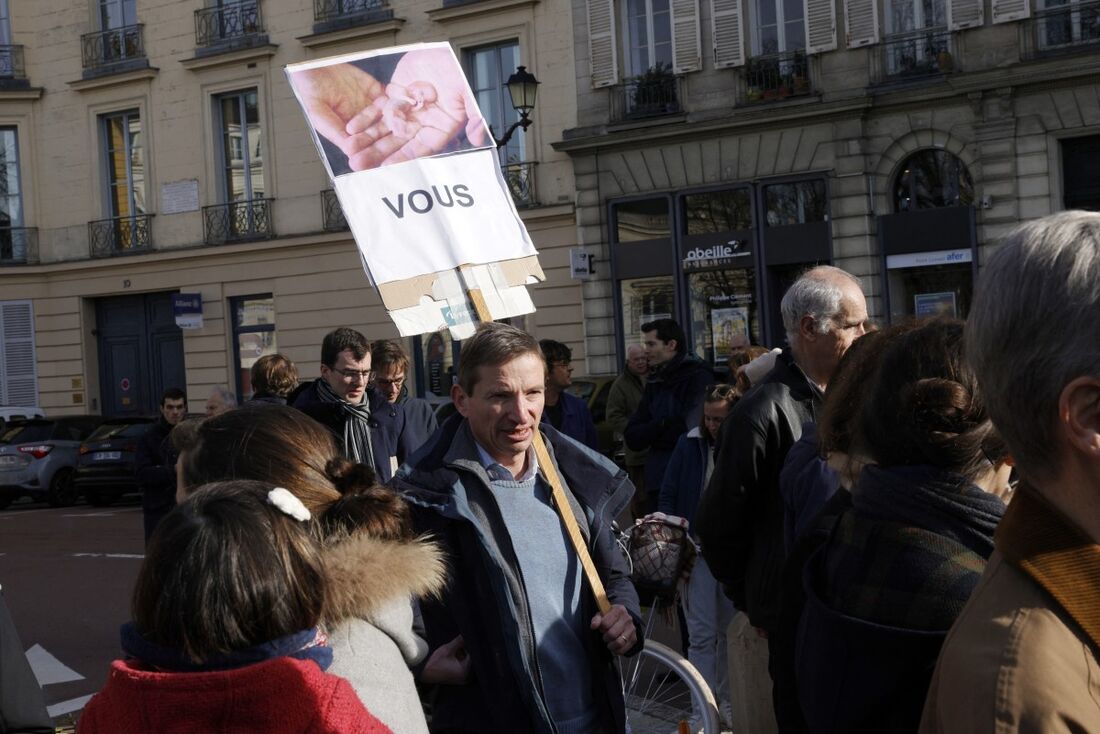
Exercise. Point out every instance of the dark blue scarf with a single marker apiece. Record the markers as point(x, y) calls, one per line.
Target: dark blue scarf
point(298, 645)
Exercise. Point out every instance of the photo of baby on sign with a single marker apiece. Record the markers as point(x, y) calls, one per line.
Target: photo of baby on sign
point(376, 110)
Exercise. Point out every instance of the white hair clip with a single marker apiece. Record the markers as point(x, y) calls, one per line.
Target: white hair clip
point(288, 503)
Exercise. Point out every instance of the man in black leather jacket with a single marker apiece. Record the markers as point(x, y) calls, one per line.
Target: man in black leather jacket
point(740, 516)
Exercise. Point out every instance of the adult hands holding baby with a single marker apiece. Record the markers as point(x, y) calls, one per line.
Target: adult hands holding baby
point(419, 113)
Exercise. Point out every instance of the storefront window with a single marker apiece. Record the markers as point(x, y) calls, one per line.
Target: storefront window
point(637, 221)
point(644, 300)
point(723, 312)
point(253, 336)
point(717, 211)
point(930, 179)
point(798, 202)
point(930, 284)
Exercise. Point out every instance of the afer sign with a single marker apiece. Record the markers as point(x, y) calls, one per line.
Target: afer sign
point(715, 256)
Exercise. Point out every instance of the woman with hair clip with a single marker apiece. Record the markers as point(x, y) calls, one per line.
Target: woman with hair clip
point(707, 610)
point(376, 566)
point(898, 565)
point(225, 633)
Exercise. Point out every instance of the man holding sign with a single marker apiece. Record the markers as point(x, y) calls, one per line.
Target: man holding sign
point(517, 643)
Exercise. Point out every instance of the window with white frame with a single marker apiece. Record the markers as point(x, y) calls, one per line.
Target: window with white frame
point(1067, 23)
point(780, 26)
point(124, 163)
point(5, 24)
point(488, 69)
point(13, 243)
point(237, 125)
point(117, 14)
point(648, 26)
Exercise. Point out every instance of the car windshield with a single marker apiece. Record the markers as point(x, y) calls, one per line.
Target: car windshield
point(118, 430)
point(28, 432)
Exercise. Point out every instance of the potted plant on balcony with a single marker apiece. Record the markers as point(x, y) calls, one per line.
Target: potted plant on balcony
point(655, 91)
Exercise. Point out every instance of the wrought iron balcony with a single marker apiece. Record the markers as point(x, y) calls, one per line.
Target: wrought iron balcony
point(11, 63)
point(332, 214)
point(115, 49)
point(914, 55)
point(776, 76)
point(120, 235)
point(229, 25)
point(520, 178)
point(18, 245)
point(238, 221)
point(330, 15)
point(653, 94)
point(1064, 29)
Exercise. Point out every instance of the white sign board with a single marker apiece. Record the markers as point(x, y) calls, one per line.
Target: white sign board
point(415, 168)
point(177, 197)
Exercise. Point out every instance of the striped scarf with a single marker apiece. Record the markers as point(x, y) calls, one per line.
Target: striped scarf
point(357, 438)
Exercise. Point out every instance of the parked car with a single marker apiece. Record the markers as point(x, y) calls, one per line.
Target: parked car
point(38, 456)
point(105, 466)
point(595, 391)
point(9, 413)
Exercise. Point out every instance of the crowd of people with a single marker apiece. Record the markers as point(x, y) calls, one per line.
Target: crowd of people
point(906, 518)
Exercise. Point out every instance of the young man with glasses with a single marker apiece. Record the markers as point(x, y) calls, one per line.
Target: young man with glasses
point(565, 411)
point(368, 429)
point(391, 367)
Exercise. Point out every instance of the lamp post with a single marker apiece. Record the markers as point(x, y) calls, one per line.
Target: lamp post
point(522, 88)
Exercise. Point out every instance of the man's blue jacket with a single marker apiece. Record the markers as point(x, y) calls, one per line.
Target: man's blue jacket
point(485, 600)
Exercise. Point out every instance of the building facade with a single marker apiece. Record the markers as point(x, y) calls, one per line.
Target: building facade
point(723, 146)
point(154, 147)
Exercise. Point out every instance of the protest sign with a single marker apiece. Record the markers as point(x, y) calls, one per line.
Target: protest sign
point(414, 166)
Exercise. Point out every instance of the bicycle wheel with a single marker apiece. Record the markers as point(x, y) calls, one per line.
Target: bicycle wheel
point(661, 689)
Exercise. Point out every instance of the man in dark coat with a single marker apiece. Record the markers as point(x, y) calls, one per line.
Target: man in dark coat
point(740, 516)
point(516, 644)
point(155, 461)
point(564, 410)
point(672, 403)
point(390, 365)
point(368, 428)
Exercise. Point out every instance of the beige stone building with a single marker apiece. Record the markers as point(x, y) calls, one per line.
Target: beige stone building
point(154, 147)
point(724, 145)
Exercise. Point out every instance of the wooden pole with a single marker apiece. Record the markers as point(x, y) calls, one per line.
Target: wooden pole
point(557, 491)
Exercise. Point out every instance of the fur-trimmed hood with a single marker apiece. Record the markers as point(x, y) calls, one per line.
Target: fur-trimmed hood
point(368, 574)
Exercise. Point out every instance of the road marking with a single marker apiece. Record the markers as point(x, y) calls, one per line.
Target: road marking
point(48, 669)
point(90, 514)
point(109, 555)
point(67, 707)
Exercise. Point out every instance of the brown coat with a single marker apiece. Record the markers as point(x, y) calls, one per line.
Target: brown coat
point(1023, 655)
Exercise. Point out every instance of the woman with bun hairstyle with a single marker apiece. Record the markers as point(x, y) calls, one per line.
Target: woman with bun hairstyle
point(376, 567)
point(225, 633)
point(900, 563)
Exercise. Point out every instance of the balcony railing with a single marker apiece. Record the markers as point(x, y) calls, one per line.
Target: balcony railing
point(1065, 29)
point(915, 55)
point(776, 76)
point(11, 63)
point(229, 25)
point(334, 14)
point(119, 235)
point(239, 221)
point(520, 178)
point(112, 48)
point(332, 214)
point(18, 245)
point(649, 95)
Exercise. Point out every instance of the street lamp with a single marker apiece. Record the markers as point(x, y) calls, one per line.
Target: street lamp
point(522, 88)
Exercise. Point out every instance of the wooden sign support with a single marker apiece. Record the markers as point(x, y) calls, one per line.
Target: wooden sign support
point(561, 502)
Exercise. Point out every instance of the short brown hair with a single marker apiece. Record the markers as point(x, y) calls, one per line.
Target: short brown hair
point(227, 571)
point(283, 446)
point(385, 352)
point(341, 340)
point(274, 374)
point(493, 344)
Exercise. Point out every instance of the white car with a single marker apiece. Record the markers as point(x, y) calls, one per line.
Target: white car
point(10, 413)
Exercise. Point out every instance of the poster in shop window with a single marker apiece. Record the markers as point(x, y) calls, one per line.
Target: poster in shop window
point(414, 166)
point(730, 329)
